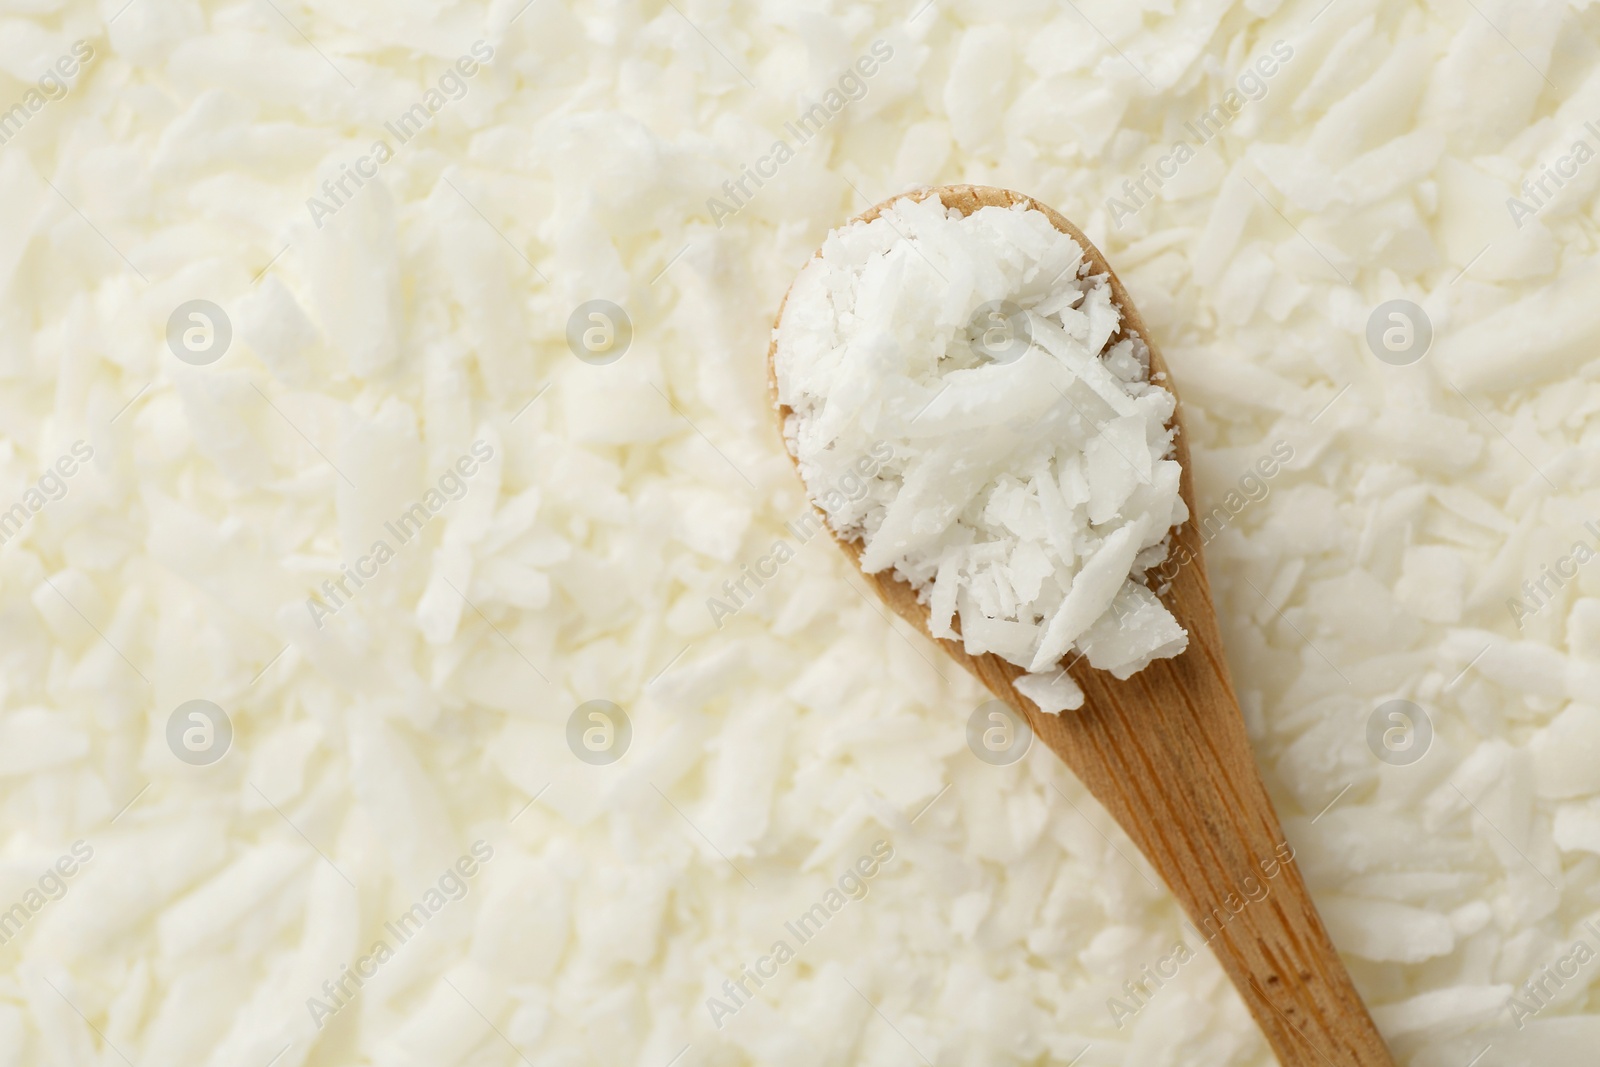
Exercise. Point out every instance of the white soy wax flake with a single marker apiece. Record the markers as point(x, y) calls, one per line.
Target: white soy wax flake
point(1032, 483)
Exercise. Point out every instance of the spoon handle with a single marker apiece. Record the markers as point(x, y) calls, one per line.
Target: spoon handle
point(1185, 788)
point(1167, 754)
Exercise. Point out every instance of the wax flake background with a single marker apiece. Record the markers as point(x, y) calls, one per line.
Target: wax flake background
point(369, 346)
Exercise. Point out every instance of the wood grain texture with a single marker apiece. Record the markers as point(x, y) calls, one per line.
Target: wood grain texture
point(1166, 753)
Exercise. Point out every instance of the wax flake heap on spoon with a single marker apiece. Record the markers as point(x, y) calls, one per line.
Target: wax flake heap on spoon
point(1029, 485)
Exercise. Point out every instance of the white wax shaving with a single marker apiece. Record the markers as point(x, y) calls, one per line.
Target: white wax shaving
point(1032, 483)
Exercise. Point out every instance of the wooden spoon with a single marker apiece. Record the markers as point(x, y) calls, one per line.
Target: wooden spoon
point(1167, 755)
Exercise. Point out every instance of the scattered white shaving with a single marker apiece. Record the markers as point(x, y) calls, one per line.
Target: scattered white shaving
point(1028, 488)
point(1054, 692)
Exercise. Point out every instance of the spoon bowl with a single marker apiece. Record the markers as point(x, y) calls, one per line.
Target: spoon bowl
point(1166, 753)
